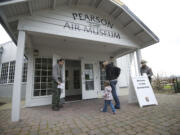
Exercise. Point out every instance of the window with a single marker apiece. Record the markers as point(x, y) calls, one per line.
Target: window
point(24, 77)
point(102, 75)
point(89, 77)
point(67, 80)
point(4, 73)
point(8, 72)
point(11, 72)
point(77, 81)
point(43, 77)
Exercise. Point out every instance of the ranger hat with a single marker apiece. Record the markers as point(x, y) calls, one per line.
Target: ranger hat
point(143, 62)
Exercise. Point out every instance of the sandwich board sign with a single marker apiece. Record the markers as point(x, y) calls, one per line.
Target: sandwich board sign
point(144, 91)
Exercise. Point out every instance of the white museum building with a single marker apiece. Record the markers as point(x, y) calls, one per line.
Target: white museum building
point(72, 93)
point(83, 32)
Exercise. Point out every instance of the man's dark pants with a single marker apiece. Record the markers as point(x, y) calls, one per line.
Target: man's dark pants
point(56, 93)
point(116, 99)
point(150, 79)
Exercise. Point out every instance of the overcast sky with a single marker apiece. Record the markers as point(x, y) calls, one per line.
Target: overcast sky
point(162, 17)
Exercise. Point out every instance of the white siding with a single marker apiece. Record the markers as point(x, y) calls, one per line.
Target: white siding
point(53, 22)
point(6, 90)
point(123, 63)
point(9, 53)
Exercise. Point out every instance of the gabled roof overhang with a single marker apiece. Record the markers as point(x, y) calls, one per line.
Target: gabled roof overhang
point(12, 10)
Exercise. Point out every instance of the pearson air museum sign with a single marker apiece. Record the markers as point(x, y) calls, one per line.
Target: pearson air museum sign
point(92, 25)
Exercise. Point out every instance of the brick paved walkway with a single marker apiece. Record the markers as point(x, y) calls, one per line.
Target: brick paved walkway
point(84, 118)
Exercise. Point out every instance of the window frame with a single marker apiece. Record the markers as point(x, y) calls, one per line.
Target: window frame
point(9, 73)
point(100, 62)
point(34, 76)
point(7, 78)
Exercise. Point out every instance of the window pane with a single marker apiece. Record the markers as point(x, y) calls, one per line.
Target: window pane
point(43, 85)
point(43, 92)
point(50, 73)
point(89, 77)
point(37, 86)
point(67, 79)
point(37, 66)
point(37, 79)
point(49, 91)
point(44, 73)
point(76, 76)
point(37, 73)
point(89, 85)
point(36, 92)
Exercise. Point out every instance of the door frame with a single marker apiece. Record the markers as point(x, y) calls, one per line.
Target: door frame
point(91, 93)
point(41, 100)
point(80, 89)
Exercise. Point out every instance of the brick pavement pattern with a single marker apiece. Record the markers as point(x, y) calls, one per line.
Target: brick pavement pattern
point(84, 118)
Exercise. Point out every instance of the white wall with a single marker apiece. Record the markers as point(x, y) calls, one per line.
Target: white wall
point(9, 54)
point(6, 90)
point(54, 22)
point(124, 63)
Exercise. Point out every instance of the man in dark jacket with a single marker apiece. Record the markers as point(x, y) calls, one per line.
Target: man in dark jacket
point(146, 69)
point(113, 81)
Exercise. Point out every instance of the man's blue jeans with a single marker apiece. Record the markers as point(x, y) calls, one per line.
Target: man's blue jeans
point(114, 94)
point(106, 103)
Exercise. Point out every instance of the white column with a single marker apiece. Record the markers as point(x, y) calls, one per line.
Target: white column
point(138, 55)
point(16, 97)
point(30, 74)
point(117, 85)
point(132, 73)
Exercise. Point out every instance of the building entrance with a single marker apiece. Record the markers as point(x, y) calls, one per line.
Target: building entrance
point(73, 80)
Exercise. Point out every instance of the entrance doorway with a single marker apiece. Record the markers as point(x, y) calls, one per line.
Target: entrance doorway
point(73, 80)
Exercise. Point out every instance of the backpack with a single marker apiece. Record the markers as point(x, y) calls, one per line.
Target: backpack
point(116, 72)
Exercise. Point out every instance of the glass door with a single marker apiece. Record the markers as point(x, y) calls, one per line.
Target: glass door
point(88, 80)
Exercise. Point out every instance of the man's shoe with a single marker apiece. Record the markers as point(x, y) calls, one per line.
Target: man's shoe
point(61, 106)
point(55, 109)
point(117, 107)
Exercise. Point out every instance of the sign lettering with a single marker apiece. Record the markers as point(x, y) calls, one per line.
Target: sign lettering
point(91, 30)
point(92, 19)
